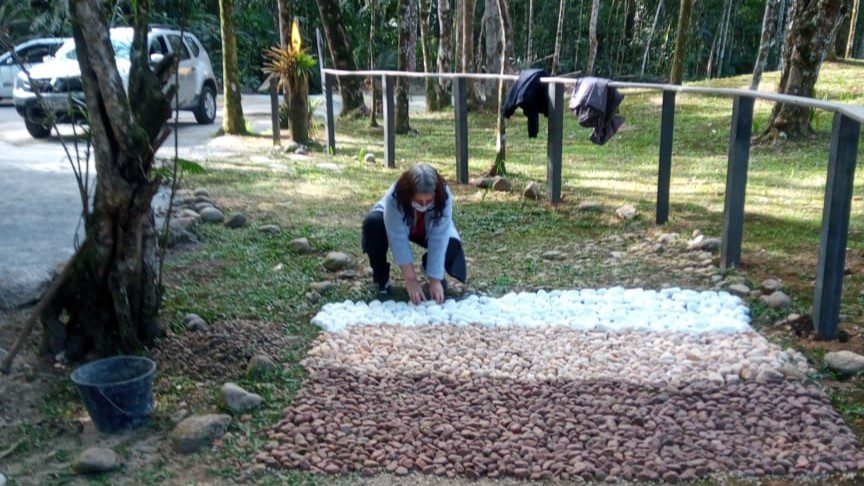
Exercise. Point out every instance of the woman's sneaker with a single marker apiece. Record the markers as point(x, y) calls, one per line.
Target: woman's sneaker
point(384, 290)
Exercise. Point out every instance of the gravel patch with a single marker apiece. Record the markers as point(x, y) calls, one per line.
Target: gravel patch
point(553, 353)
point(347, 421)
point(613, 309)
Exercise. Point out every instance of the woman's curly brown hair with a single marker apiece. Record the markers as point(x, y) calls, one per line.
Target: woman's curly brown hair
point(420, 178)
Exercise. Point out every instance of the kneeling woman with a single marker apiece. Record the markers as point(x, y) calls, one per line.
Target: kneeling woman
point(417, 208)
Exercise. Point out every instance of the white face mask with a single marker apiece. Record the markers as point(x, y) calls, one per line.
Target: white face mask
point(421, 208)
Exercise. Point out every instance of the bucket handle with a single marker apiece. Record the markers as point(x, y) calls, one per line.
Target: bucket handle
point(121, 410)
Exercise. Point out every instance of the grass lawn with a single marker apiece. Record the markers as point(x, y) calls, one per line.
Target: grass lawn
point(249, 275)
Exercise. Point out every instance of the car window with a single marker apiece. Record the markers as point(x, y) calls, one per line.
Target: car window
point(192, 45)
point(35, 54)
point(158, 46)
point(177, 46)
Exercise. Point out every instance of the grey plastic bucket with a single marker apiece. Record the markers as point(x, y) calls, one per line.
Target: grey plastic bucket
point(118, 391)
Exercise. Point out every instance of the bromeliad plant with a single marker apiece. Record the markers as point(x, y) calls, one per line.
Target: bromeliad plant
point(293, 66)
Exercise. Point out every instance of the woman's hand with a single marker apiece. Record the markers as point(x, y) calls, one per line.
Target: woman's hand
point(436, 291)
point(415, 291)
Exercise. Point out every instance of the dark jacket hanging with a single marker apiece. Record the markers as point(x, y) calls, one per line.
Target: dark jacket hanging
point(596, 104)
point(532, 96)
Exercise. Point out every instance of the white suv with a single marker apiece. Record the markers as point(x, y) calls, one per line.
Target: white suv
point(30, 53)
point(59, 80)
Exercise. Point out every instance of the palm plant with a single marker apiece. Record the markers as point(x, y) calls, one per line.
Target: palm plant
point(293, 66)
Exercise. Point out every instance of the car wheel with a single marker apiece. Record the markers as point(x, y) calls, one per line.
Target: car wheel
point(37, 129)
point(205, 112)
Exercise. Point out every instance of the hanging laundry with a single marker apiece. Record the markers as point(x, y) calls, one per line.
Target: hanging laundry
point(532, 96)
point(596, 104)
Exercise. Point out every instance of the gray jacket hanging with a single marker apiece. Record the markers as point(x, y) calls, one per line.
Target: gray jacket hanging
point(596, 105)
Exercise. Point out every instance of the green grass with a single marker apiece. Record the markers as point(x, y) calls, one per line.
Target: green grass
point(232, 274)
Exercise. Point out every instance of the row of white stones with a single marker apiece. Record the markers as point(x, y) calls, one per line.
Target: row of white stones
point(614, 309)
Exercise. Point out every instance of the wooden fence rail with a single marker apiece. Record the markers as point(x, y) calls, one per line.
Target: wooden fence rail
point(846, 131)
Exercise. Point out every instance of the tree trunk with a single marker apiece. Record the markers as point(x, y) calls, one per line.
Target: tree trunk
point(445, 50)
point(232, 121)
point(651, 37)
point(465, 47)
point(350, 87)
point(725, 40)
point(529, 41)
point(373, 122)
point(498, 166)
point(496, 52)
point(406, 60)
point(559, 35)
point(110, 299)
point(592, 37)
point(853, 24)
point(681, 39)
point(812, 30)
point(285, 19)
point(769, 25)
point(786, 24)
point(431, 93)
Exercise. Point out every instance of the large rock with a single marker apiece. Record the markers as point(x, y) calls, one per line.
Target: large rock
point(199, 431)
point(260, 366)
point(336, 260)
point(702, 242)
point(96, 460)
point(590, 206)
point(321, 287)
point(194, 322)
point(771, 285)
point(300, 244)
point(236, 221)
point(212, 215)
point(485, 182)
point(270, 229)
point(532, 191)
point(501, 184)
point(626, 212)
point(777, 300)
point(238, 400)
point(369, 158)
point(740, 290)
point(845, 362)
point(201, 192)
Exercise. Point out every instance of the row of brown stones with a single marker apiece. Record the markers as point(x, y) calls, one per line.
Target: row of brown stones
point(347, 421)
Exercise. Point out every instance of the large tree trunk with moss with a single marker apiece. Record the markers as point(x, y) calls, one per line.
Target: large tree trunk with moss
point(406, 60)
point(769, 25)
point(445, 50)
point(109, 297)
point(432, 103)
point(350, 87)
point(232, 121)
point(681, 39)
point(811, 32)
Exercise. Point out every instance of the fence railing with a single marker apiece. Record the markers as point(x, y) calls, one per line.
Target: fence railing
point(846, 131)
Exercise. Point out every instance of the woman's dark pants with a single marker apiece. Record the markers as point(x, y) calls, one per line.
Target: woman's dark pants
point(375, 245)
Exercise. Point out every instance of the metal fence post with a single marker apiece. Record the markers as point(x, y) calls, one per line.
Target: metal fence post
point(274, 111)
point(835, 225)
point(460, 110)
point(554, 142)
point(736, 182)
point(664, 173)
point(387, 83)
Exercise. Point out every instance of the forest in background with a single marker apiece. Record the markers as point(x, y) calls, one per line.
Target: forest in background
point(724, 34)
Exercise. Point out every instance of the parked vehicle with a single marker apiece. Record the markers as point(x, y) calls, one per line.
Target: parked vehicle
point(59, 80)
point(30, 53)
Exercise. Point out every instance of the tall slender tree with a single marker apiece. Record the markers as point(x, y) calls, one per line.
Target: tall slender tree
point(406, 59)
point(681, 35)
point(426, 50)
point(853, 24)
point(651, 37)
point(350, 87)
point(559, 38)
point(592, 37)
point(232, 121)
point(496, 51)
point(812, 30)
point(769, 25)
point(373, 5)
point(445, 49)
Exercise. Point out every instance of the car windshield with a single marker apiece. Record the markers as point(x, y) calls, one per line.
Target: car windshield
point(120, 41)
